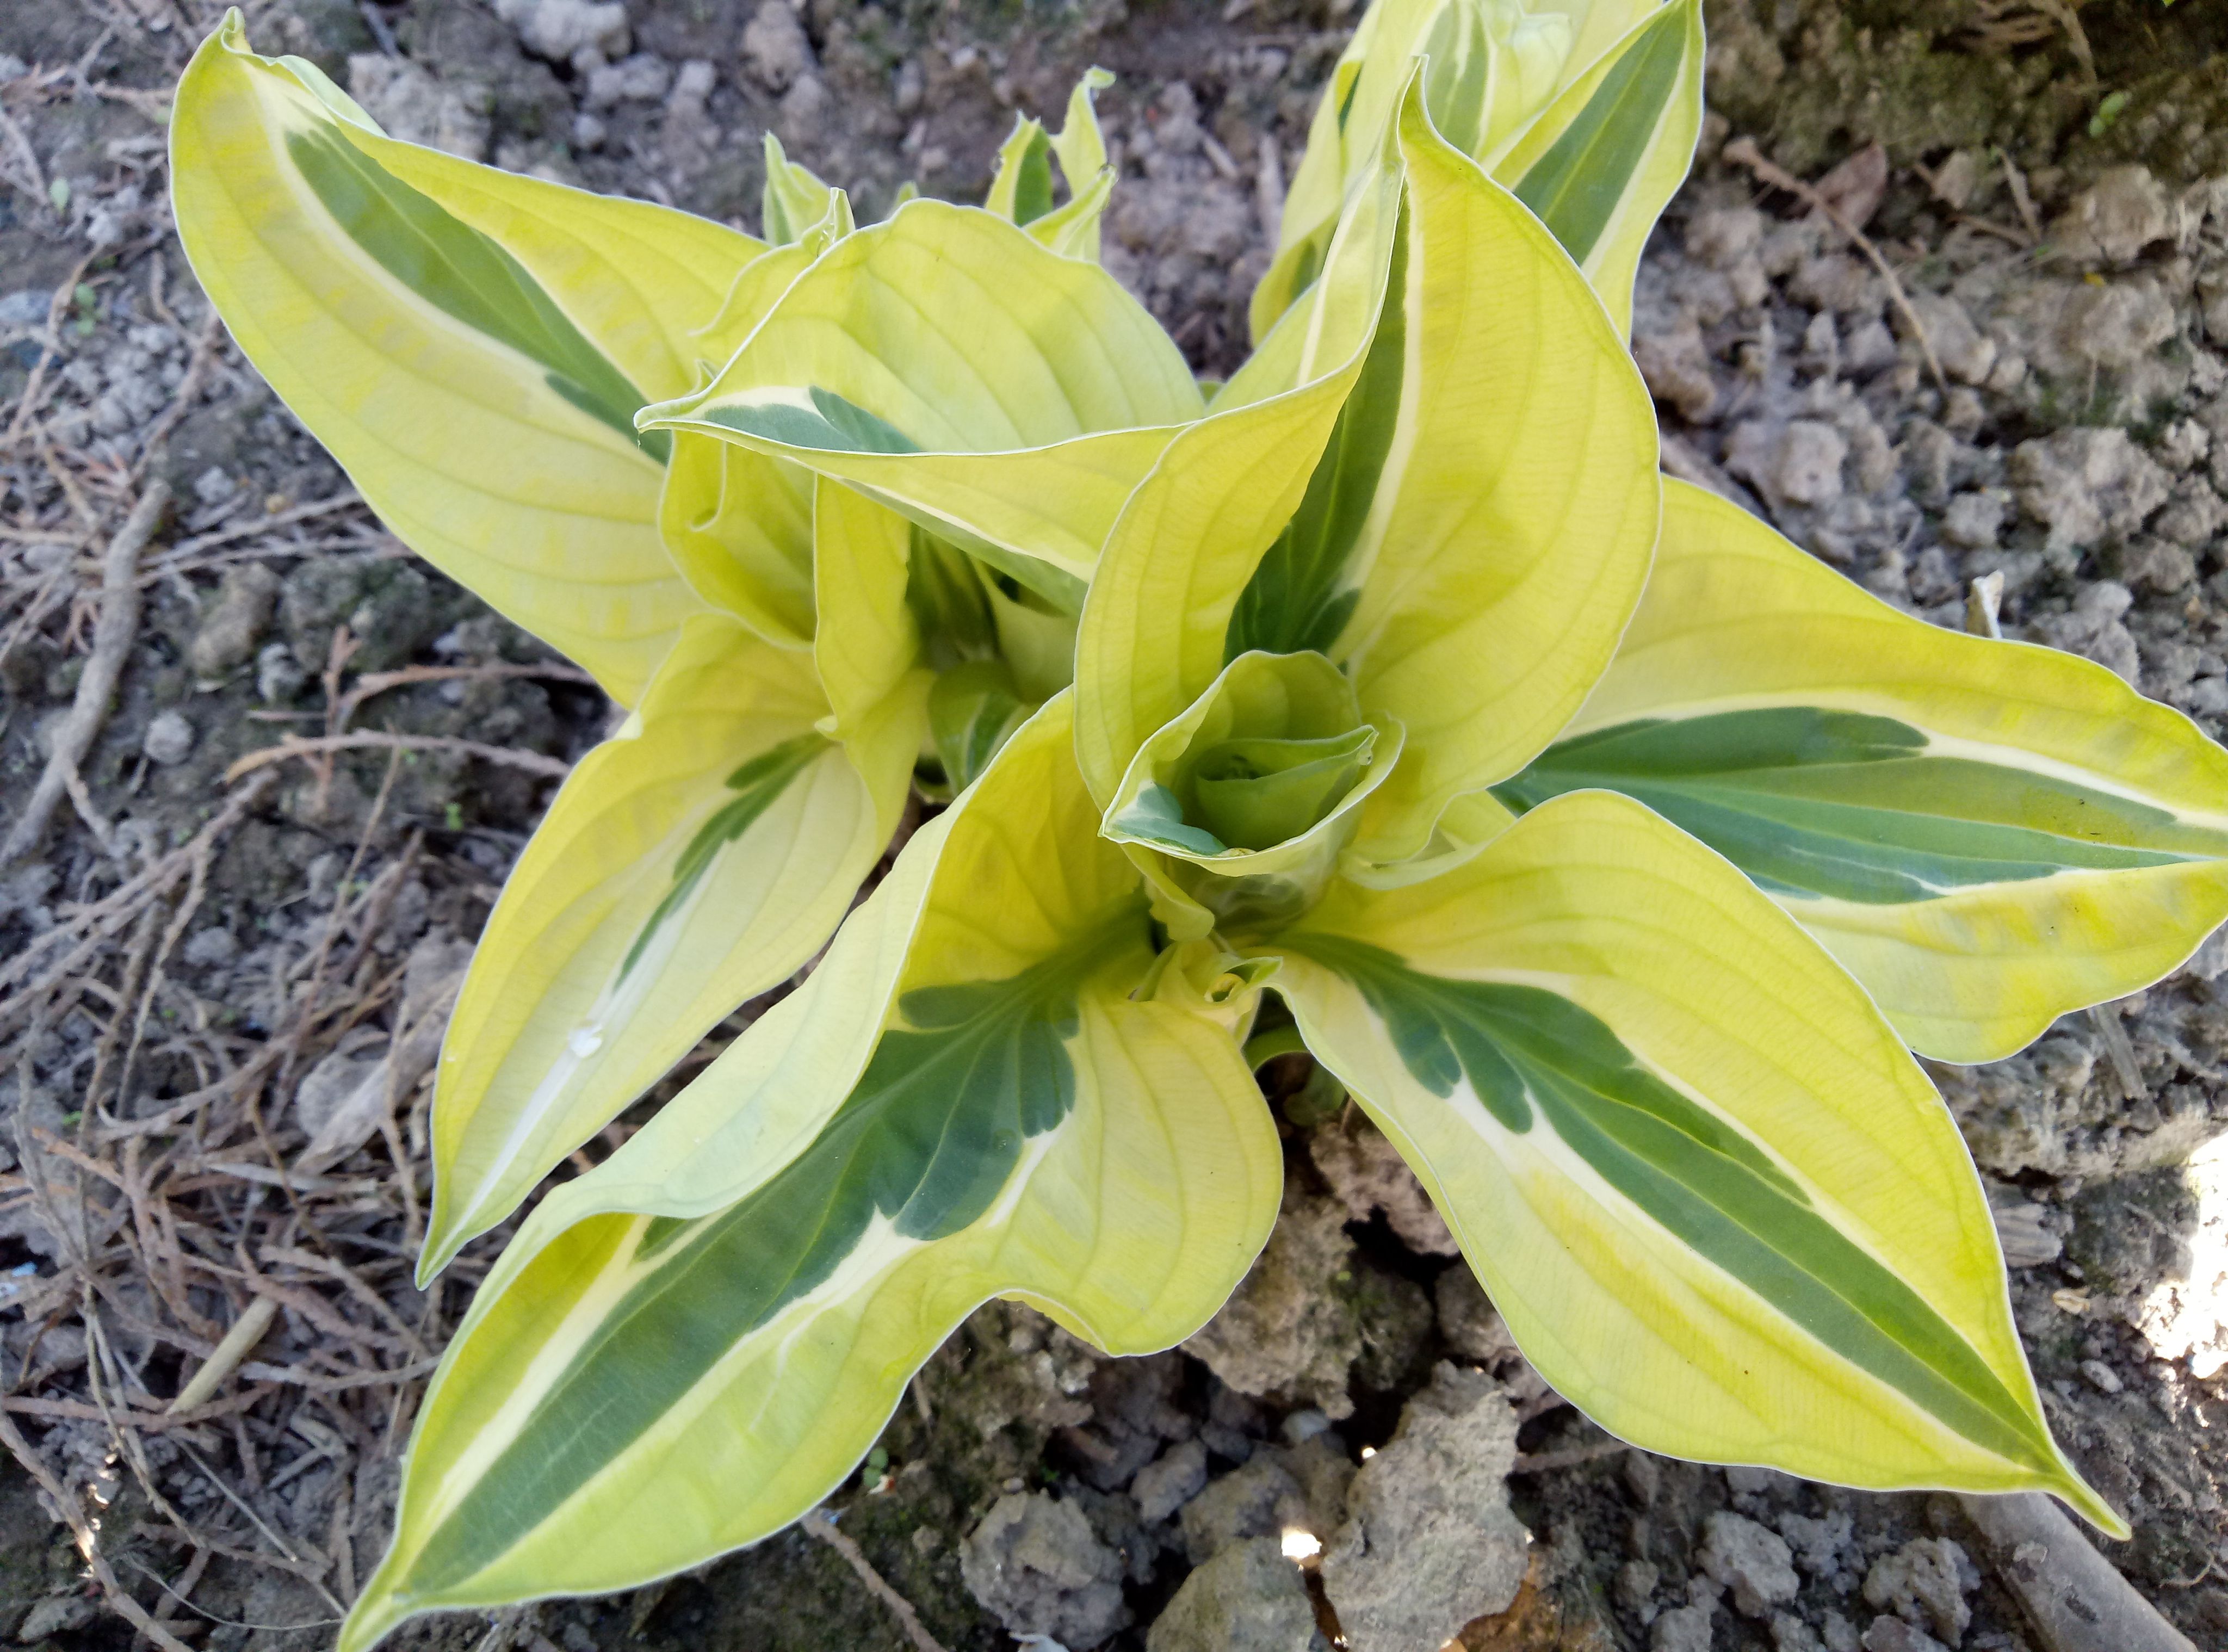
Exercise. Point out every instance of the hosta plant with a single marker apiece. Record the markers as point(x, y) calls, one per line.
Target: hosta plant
point(795, 654)
point(1612, 854)
point(1377, 713)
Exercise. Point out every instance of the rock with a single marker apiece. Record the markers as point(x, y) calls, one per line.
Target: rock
point(1468, 1318)
point(1684, 1629)
point(1928, 1577)
point(1167, 1485)
point(776, 50)
point(1430, 1542)
point(644, 78)
point(328, 1088)
point(561, 29)
point(1366, 1174)
point(1974, 521)
point(56, 1615)
point(210, 949)
point(1720, 237)
point(805, 110)
point(1893, 1635)
point(1259, 1500)
point(1750, 1560)
point(1281, 1332)
point(1248, 1599)
point(2116, 218)
point(2093, 627)
point(168, 738)
point(1035, 1565)
point(414, 106)
point(2087, 486)
point(2115, 326)
point(2102, 1377)
point(234, 622)
point(1675, 363)
point(1967, 355)
point(1796, 464)
point(278, 675)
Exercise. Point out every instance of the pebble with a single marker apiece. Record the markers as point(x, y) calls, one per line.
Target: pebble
point(168, 738)
point(1248, 1599)
point(776, 50)
point(1035, 1564)
point(1752, 1561)
point(1164, 1486)
point(1430, 1541)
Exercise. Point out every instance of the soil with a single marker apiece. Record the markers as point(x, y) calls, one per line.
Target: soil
point(193, 968)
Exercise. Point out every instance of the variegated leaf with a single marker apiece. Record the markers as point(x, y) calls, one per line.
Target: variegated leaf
point(1004, 397)
point(471, 345)
point(688, 1349)
point(1717, 1201)
point(1985, 834)
point(697, 859)
point(1460, 513)
point(1588, 112)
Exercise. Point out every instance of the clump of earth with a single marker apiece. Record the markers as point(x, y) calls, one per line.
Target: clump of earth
point(1355, 1447)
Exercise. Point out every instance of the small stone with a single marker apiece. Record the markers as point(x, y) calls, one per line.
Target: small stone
point(2116, 325)
point(1282, 1332)
point(2116, 218)
point(1035, 1565)
point(644, 78)
point(168, 738)
point(1928, 1577)
point(2087, 485)
point(1468, 1319)
point(1167, 1485)
point(1259, 1500)
point(278, 676)
point(55, 1615)
point(410, 104)
point(1974, 521)
point(1967, 355)
point(1683, 1629)
point(211, 948)
point(234, 622)
point(1367, 1175)
point(1430, 1542)
point(776, 50)
point(561, 29)
point(1720, 237)
point(1796, 464)
point(1750, 1560)
point(1635, 1589)
point(213, 486)
point(588, 132)
point(908, 86)
point(1248, 1599)
point(2102, 1377)
point(327, 1088)
point(1893, 1635)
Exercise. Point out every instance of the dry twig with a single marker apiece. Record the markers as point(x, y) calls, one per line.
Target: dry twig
point(1742, 151)
point(292, 746)
point(821, 1524)
point(111, 645)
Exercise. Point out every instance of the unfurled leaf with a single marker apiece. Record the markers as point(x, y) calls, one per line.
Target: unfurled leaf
point(1717, 1203)
point(1003, 397)
point(1985, 834)
point(697, 859)
point(472, 345)
point(688, 1349)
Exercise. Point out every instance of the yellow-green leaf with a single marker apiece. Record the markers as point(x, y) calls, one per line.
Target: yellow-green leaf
point(1987, 833)
point(471, 346)
point(1004, 397)
point(1601, 162)
point(1589, 112)
point(698, 858)
point(1469, 546)
point(688, 1349)
point(1717, 1201)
